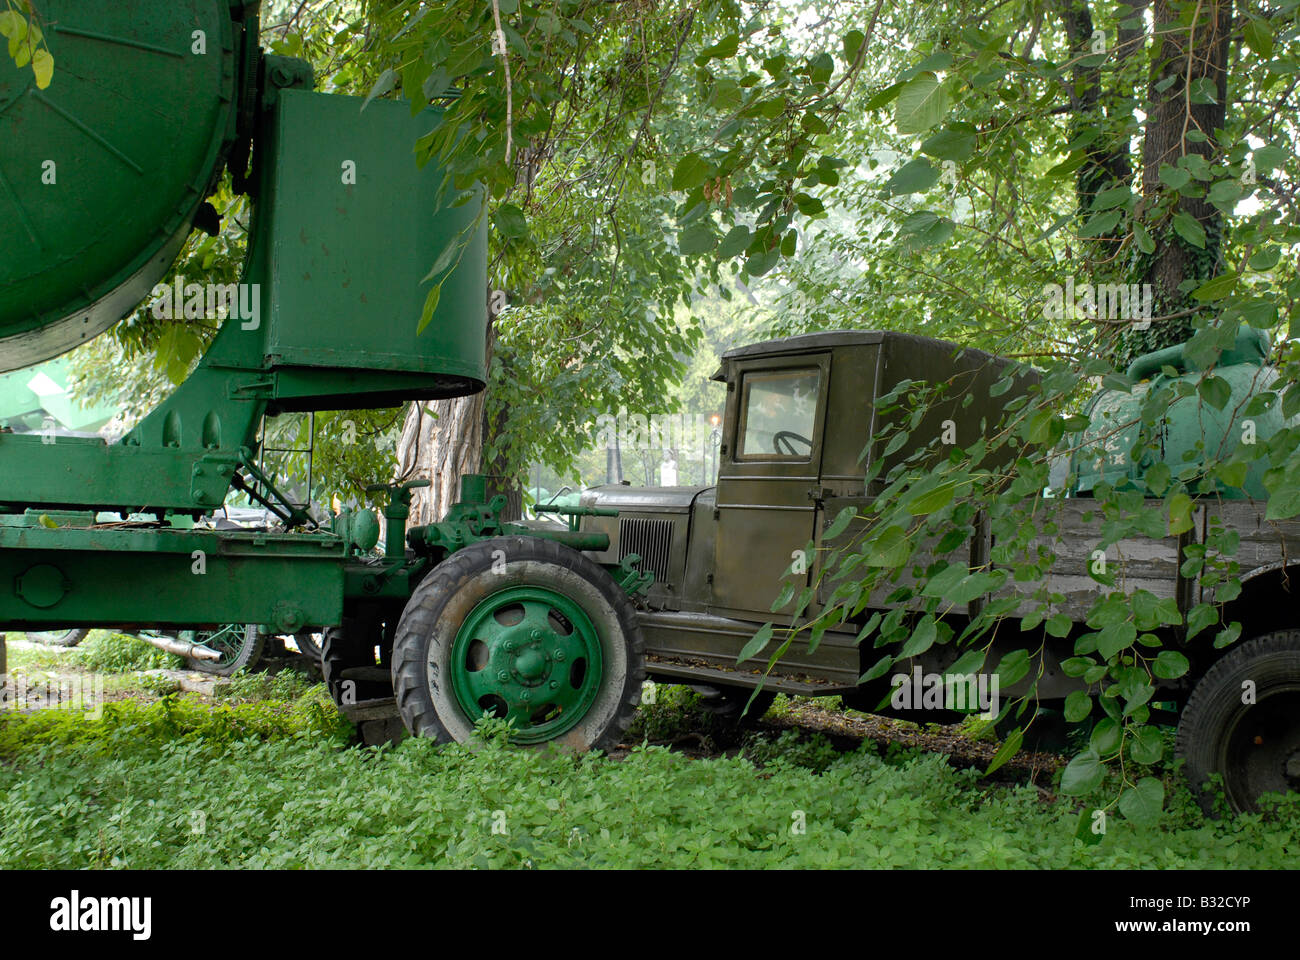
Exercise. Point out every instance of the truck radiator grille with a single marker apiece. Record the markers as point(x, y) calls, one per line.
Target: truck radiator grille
point(652, 539)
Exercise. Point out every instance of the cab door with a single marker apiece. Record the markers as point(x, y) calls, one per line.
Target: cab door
point(770, 464)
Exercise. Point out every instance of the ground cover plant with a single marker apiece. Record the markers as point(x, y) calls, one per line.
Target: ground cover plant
point(269, 776)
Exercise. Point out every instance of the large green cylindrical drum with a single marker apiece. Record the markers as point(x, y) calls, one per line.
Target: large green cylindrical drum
point(1192, 433)
point(103, 170)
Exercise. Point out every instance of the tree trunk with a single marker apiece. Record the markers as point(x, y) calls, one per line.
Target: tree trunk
point(441, 441)
point(1180, 57)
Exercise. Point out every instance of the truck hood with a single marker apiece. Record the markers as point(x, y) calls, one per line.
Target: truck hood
point(643, 499)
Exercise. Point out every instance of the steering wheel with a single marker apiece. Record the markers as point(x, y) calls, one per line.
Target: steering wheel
point(787, 438)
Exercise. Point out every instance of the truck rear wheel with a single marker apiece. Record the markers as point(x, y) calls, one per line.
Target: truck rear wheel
point(348, 662)
point(58, 638)
point(523, 629)
point(240, 646)
point(1253, 746)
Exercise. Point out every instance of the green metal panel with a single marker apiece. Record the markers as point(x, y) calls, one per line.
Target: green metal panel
point(79, 576)
point(101, 173)
point(347, 284)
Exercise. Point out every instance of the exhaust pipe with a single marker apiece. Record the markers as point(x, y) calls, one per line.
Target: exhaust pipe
point(194, 651)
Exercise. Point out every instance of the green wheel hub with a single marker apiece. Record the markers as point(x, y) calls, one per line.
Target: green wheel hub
point(531, 655)
point(228, 640)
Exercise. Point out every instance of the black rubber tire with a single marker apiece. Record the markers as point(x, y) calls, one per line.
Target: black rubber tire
point(352, 644)
point(250, 654)
point(58, 638)
point(1217, 733)
point(443, 600)
point(309, 644)
point(729, 706)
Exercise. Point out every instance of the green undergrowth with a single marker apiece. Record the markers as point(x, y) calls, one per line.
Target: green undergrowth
point(179, 783)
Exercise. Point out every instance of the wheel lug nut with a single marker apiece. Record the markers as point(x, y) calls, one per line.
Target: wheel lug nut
point(536, 634)
point(503, 676)
point(560, 655)
point(525, 696)
point(555, 684)
point(510, 646)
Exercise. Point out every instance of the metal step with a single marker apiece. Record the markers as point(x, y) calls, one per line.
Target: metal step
point(382, 708)
point(680, 671)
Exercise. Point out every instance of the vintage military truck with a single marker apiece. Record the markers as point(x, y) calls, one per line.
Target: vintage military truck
point(799, 413)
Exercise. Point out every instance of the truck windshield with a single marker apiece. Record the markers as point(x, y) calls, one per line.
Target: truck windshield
point(780, 410)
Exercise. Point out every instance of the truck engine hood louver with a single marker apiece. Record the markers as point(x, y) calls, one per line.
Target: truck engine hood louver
point(650, 538)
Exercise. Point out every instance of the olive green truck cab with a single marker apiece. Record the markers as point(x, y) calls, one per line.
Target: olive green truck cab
point(799, 434)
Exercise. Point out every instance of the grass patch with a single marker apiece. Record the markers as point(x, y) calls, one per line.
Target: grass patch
point(266, 784)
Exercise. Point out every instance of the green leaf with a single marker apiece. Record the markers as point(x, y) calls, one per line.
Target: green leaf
point(430, 305)
point(1180, 514)
point(956, 143)
point(1058, 625)
point(853, 41)
point(1143, 802)
point(696, 239)
point(1199, 617)
point(922, 103)
point(1174, 177)
point(1269, 157)
point(1143, 239)
point(692, 170)
point(968, 663)
point(1105, 738)
point(1013, 667)
point(922, 638)
point(1101, 224)
point(383, 86)
point(724, 49)
point(510, 221)
point(884, 97)
point(1068, 166)
point(1258, 36)
point(926, 229)
point(1146, 746)
point(1216, 289)
point(879, 669)
point(890, 548)
point(735, 242)
point(1082, 775)
point(784, 597)
point(1114, 197)
point(1186, 226)
point(1010, 747)
point(1169, 665)
point(1265, 258)
point(915, 176)
point(1078, 705)
point(1284, 502)
point(756, 643)
point(1115, 637)
point(43, 68)
point(933, 500)
point(840, 523)
point(1216, 392)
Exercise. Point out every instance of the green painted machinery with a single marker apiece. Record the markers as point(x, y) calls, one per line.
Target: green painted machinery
point(1191, 433)
point(103, 176)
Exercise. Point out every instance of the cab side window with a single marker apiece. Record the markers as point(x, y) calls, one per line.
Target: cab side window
point(779, 410)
